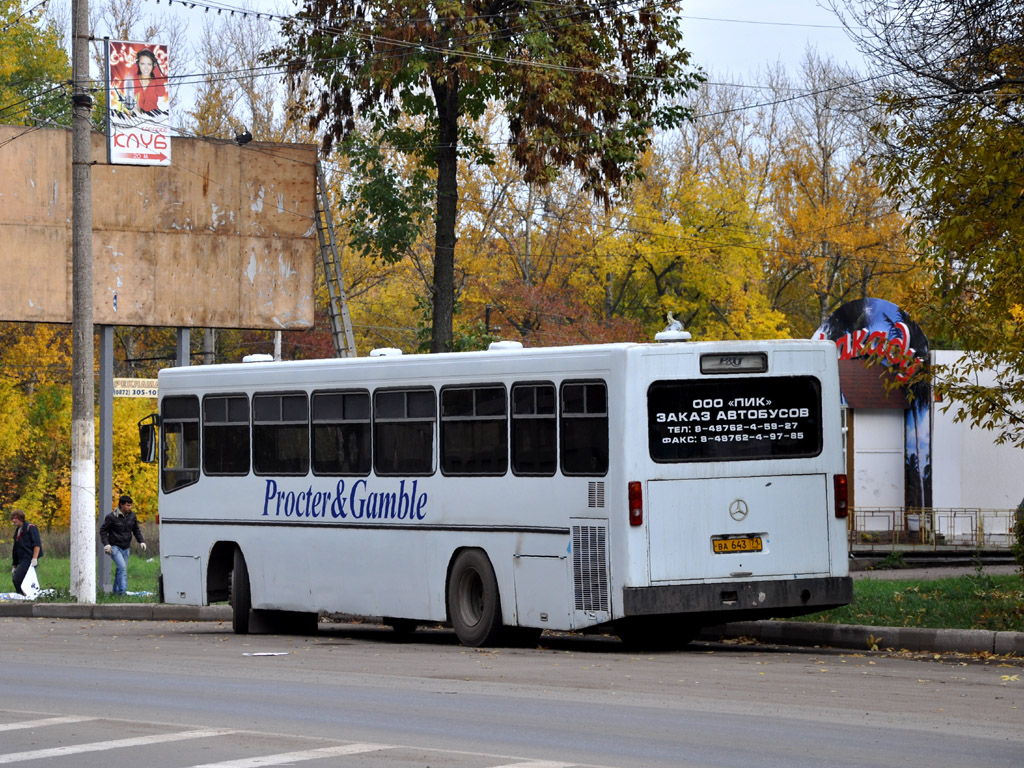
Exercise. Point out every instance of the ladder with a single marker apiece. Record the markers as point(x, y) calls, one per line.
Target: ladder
point(337, 309)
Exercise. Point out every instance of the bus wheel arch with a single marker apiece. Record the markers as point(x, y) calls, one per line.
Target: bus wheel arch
point(218, 571)
point(240, 594)
point(473, 598)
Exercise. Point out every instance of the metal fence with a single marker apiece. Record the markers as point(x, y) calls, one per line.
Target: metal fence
point(930, 528)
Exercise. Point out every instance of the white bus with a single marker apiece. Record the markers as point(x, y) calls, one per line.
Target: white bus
point(651, 489)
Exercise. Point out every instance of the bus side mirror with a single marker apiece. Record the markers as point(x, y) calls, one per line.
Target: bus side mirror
point(147, 438)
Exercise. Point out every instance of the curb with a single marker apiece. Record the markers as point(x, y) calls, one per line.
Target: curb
point(116, 611)
point(864, 638)
point(794, 633)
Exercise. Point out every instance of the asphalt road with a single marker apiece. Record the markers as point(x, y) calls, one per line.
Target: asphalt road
point(354, 696)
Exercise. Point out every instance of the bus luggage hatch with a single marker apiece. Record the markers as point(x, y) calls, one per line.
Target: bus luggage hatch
point(185, 572)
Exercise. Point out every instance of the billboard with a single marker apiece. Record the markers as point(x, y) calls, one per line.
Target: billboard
point(877, 331)
point(224, 238)
point(138, 104)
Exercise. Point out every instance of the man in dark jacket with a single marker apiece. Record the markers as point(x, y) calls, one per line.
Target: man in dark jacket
point(27, 546)
point(116, 536)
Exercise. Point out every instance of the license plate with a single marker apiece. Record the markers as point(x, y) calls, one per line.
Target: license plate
point(724, 544)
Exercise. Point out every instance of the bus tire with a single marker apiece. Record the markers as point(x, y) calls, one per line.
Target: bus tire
point(239, 595)
point(474, 604)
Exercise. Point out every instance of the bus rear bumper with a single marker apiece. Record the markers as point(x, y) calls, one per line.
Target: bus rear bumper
point(732, 601)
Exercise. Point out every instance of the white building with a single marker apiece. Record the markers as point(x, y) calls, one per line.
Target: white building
point(975, 483)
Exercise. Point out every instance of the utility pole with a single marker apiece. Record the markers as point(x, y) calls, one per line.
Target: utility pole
point(83, 441)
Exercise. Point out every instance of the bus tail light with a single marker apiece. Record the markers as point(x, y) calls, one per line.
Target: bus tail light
point(839, 483)
point(636, 504)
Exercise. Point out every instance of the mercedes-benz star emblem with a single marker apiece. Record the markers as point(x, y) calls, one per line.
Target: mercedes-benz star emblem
point(738, 509)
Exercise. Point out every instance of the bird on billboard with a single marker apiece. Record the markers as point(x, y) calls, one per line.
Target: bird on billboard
point(673, 324)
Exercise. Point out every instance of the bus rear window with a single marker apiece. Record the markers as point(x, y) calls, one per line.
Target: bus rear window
point(734, 419)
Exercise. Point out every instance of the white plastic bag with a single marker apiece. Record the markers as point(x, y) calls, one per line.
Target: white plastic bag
point(30, 586)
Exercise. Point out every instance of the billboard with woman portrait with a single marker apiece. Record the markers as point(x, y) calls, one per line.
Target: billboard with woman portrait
point(138, 104)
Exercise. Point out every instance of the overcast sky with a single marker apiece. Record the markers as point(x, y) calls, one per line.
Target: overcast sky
point(736, 37)
point(727, 37)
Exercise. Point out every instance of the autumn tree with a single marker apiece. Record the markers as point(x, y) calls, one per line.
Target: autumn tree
point(211, 113)
point(522, 249)
point(35, 398)
point(837, 234)
point(690, 246)
point(952, 84)
point(34, 67)
point(233, 91)
point(581, 84)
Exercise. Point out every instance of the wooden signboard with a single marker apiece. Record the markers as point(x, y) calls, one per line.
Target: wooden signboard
point(224, 238)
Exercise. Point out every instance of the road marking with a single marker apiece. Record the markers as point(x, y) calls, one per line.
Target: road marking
point(101, 746)
point(287, 758)
point(43, 722)
point(537, 764)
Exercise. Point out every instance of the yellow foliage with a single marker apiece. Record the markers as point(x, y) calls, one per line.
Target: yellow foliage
point(35, 471)
point(129, 475)
point(837, 236)
point(32, 63)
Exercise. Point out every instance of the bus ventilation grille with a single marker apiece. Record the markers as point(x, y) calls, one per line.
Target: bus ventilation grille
point(590, 567)
point(595, 495)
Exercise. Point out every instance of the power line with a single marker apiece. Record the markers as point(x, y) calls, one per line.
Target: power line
point(276, 70)
point(758, 22)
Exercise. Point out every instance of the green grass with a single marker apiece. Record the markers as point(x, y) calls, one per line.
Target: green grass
point(55, 573)
point(974, 601)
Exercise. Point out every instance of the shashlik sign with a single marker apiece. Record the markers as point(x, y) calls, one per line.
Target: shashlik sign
point(138, 104)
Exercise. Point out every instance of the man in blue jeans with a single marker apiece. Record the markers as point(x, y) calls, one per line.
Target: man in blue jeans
point(116, 536)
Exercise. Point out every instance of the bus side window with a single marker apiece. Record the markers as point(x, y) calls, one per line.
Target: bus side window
point(534, 429)
point(584, 428)
point(474, 431)
point(179, 442)
point(341, 433)
point(403, 431)
point(280, 434)
point(226, 435)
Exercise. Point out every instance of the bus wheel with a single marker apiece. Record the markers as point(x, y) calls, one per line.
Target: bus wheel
point(239, 595)
point(473, 601)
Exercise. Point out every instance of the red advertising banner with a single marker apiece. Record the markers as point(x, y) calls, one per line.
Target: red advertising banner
point(138, 104)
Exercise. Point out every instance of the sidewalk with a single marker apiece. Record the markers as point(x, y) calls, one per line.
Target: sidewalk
point(123, 611)
point(862, 638)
